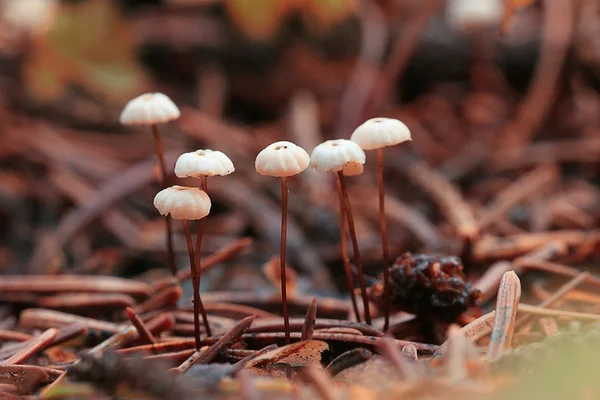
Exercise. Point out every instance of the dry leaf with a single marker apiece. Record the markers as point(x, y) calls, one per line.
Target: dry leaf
point(293, 355)
point(74, 52)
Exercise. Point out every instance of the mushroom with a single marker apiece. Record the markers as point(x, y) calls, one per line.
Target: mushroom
point(202, 164)
point(152, 109)
point(187, 204)
point(282, 160)
point(336, 156)
point(376, 134)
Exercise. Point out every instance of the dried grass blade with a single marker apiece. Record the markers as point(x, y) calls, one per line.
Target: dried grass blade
point(509, 296)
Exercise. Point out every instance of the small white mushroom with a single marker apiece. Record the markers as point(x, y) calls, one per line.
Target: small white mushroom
point(187, 204)
point(469, 14)
point(344, 157)
point(149, 109)
point(152, 109)
point(334, 155)
point(376, 134)
point(182, 203)
point(203, 163)
point(282, 160)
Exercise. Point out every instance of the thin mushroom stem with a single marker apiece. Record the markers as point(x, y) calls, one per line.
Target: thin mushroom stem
point(361, 278)
point(345, 257)
point(384, 242)
point(198, 306)
point(163, 170)
point(284, 205)
point(204, 185)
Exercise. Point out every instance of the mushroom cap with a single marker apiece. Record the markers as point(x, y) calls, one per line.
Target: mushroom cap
point(149, 109)
point(376, 133)
point(335, 155)
point(182, 202)
point(474, 13)
point(282, 159)
point(353, 169)
point(203, 163)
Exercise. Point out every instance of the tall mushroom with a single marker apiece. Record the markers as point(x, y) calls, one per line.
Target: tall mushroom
point(376, 134)
point(202, 164)
point(152, 109)
point(187, 204)
point(282, 160)
point(338, 156)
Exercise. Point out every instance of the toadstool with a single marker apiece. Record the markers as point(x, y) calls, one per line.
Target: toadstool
point(187, 204)
point(202, 164)
point(376, 134)
point(152, 109)
point(336, 156)
point(282, 159)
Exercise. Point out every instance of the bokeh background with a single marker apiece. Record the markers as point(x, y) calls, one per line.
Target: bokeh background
point(493, 91)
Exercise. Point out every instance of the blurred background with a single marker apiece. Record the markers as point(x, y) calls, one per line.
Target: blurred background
point(493, 91)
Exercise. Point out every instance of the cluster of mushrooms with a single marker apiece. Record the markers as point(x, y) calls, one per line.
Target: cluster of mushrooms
point(281, 160)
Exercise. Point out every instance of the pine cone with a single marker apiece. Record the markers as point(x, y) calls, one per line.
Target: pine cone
point(431, 287)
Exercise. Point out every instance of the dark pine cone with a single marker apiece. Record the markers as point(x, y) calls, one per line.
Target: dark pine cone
point(431, 287)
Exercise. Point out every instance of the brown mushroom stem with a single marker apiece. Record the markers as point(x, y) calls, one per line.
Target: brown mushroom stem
point(361, 278)
point(198, 306)
point(163, 170)
point(345, 257)
point(284, 205)
point(204, 187)
point(384, 242)
point(198, 272)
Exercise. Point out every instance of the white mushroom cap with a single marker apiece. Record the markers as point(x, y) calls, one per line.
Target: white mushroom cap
point(380, 132)
point(465, 14)
point(282, 159)
point(182, 202)
point(203, 163)
point(149, 109)
point(335, 155)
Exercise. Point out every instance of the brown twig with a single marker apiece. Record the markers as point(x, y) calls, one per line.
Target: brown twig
point(524, 188)
point(309, 321)
point(451, 202)
point(222, 255)
point(556, 39)
point(204, 357)
point(87, 300)
point(13, 336)
point(35, 345)
point(73, 283)
point(42, 318)
point(143, 331)
point(169, 296)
